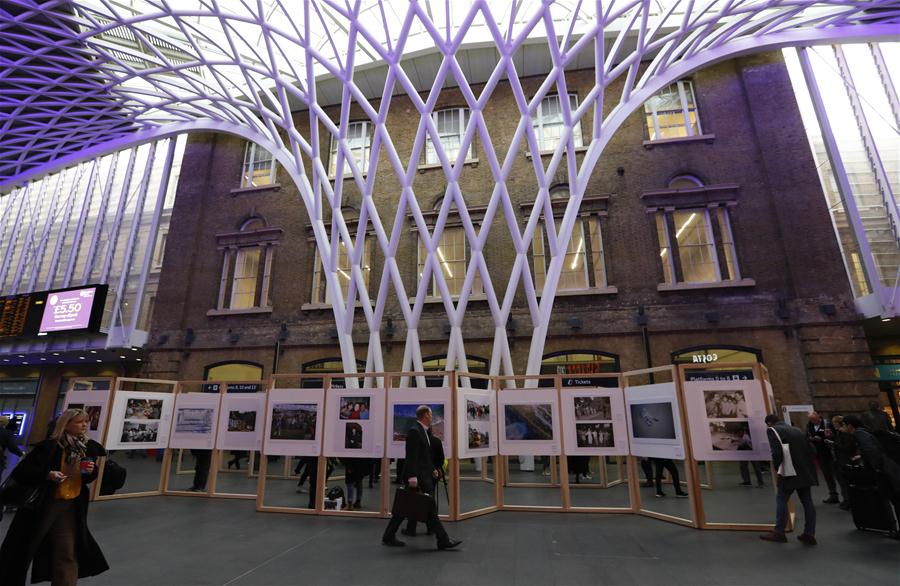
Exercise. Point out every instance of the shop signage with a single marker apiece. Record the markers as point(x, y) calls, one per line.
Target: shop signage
point(704, 358)
point(234, 388)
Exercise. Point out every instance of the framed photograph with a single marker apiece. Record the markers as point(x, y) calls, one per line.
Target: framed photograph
point(402, 405)
point(529, 422)
point(96, 405)
point(354, 425)
point(477, 421)
point(727, 420)
point(294, 422)
point(241, 421)
point(654, 421)
point(593, 422)
point(196, 420)
point(140, 420)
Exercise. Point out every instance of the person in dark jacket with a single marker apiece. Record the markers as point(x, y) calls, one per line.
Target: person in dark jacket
point(843, 448)
point(7, 444)
point(803, 476)
point(820, 434)
point(876, 419)
point(872, 455)
point(419, 473)
point(437, 454)
point(52, 537)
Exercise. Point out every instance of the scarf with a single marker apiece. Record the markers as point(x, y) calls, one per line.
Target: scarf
point(75, 447)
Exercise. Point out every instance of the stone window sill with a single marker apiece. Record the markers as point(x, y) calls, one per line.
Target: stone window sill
point(248, 311)
point(324, 306)
point(591, 291)
point(429, 166)
point(578, 150)
point(711, 285)
point(455, 298)
point(707, 138)
point(243, 190)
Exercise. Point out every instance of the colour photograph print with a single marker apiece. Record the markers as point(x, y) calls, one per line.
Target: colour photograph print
point(143, 409)
point(653, 421)
point(725, 404)
point(198, 420)
point(595, 435)
point(355, 408)
point(405, 417)
point(527, 422)
point(242, 421)
point(294, 421)
point(730, 435)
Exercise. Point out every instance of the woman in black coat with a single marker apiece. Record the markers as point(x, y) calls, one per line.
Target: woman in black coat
point(52, 536)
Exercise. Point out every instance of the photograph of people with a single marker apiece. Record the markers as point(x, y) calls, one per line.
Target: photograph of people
point(594, 435)
point(354, 408)
point(143, 409)
point(353, 436)
point(593, 408)
point(725, 404)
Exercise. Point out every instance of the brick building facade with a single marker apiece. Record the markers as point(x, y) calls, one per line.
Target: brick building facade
point(787, 296)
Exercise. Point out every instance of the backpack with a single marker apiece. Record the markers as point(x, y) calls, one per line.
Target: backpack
point(113, 478)
point(334, 493)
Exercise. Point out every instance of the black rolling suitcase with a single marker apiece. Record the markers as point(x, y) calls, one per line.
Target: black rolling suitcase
point(870, 510)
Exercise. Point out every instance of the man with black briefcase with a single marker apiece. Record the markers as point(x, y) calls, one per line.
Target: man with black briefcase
point(419, 473)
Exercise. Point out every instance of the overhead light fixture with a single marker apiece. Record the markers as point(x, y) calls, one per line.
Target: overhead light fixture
point(121, 357)
point(42, 358)
point(885, 319)
point(93, 351)
point(25, 362)
point(81, 358)
point(138, 359)
point(61, 362)
point(21, 356)
point(98, 360)
point(56, 353)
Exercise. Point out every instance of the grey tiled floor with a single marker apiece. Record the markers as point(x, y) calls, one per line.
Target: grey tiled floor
point(173, 540)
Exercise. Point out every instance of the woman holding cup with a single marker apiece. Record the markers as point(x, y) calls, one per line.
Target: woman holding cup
point(52, 535)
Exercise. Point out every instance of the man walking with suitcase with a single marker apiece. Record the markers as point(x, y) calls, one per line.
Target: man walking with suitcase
point(793, 458)
point(420, 473)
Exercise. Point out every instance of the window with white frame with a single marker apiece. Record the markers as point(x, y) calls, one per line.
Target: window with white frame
point(583, 266)
point(549, 125)
point(452, 255)
point(259, 167)
point(246, 270)
point(696, 245)
point(321, 292)
point(672, 113)
point(359, 142)
point(451, 127)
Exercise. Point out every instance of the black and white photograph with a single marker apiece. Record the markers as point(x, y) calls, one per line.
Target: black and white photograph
point(479, 435)
point(353, 436)
point(730, 436)
point(134, 432)
point(594, 435)
point(478, 410)
point(527, 422)
point(195, 420)
point(143, 409)
point(725, 404)
point(294, 421)
point(242, 421)
point(653, 421)
point(355, 408)
point(593, 408)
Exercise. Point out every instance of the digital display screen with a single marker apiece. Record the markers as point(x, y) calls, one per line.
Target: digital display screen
point(14, 314)
point(68, 310)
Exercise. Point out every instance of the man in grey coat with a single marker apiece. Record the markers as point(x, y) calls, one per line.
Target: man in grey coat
point(801, 478)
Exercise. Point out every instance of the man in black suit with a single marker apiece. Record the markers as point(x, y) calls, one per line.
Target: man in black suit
point(820, 434)
point(419, 473)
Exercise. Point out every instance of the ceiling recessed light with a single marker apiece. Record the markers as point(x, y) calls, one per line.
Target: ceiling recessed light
point(138, 359)
point(6, 360)
point(885, 319)
point(81, 358)
point(21, 356)
point(61, 362)
point(56, 353)
point(42, 358)
point(93, 351)
point(25, 363)
point(98, 360)
point(121, 357)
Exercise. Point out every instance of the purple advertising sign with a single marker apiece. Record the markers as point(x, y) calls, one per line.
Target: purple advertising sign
point(68, 310)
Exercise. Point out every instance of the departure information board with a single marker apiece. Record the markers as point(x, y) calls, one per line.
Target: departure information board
point(14, 315)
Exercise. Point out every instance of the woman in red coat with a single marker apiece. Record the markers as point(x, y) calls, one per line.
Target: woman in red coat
point(52, 534)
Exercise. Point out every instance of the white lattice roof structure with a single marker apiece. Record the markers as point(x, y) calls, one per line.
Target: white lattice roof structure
point(82, 78)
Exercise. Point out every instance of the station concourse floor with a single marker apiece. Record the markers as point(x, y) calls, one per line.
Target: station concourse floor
point(197, 541)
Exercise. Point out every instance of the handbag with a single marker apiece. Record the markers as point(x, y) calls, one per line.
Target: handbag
point(414, 505)
point(15, 494)
point(787, 464)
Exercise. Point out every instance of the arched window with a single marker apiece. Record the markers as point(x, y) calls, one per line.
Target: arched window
point(684, 182)
point(235, 370)
point(474, 364)
point(578, 364)
point(333, 365)
point(247, 266)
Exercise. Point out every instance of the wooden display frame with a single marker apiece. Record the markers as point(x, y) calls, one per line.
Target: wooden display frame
point(456, 479)
point(116, 388)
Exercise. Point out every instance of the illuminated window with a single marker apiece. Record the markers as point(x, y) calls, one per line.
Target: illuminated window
point(696, 245)
point(246, 268)
point(452, 256)
point(451, 126)
point(549, 125)
point(321, 293)
point(584, 266)
point(259, 167)
point(672, 113)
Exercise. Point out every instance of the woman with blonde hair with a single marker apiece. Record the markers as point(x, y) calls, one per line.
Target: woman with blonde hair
point(50, 534)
